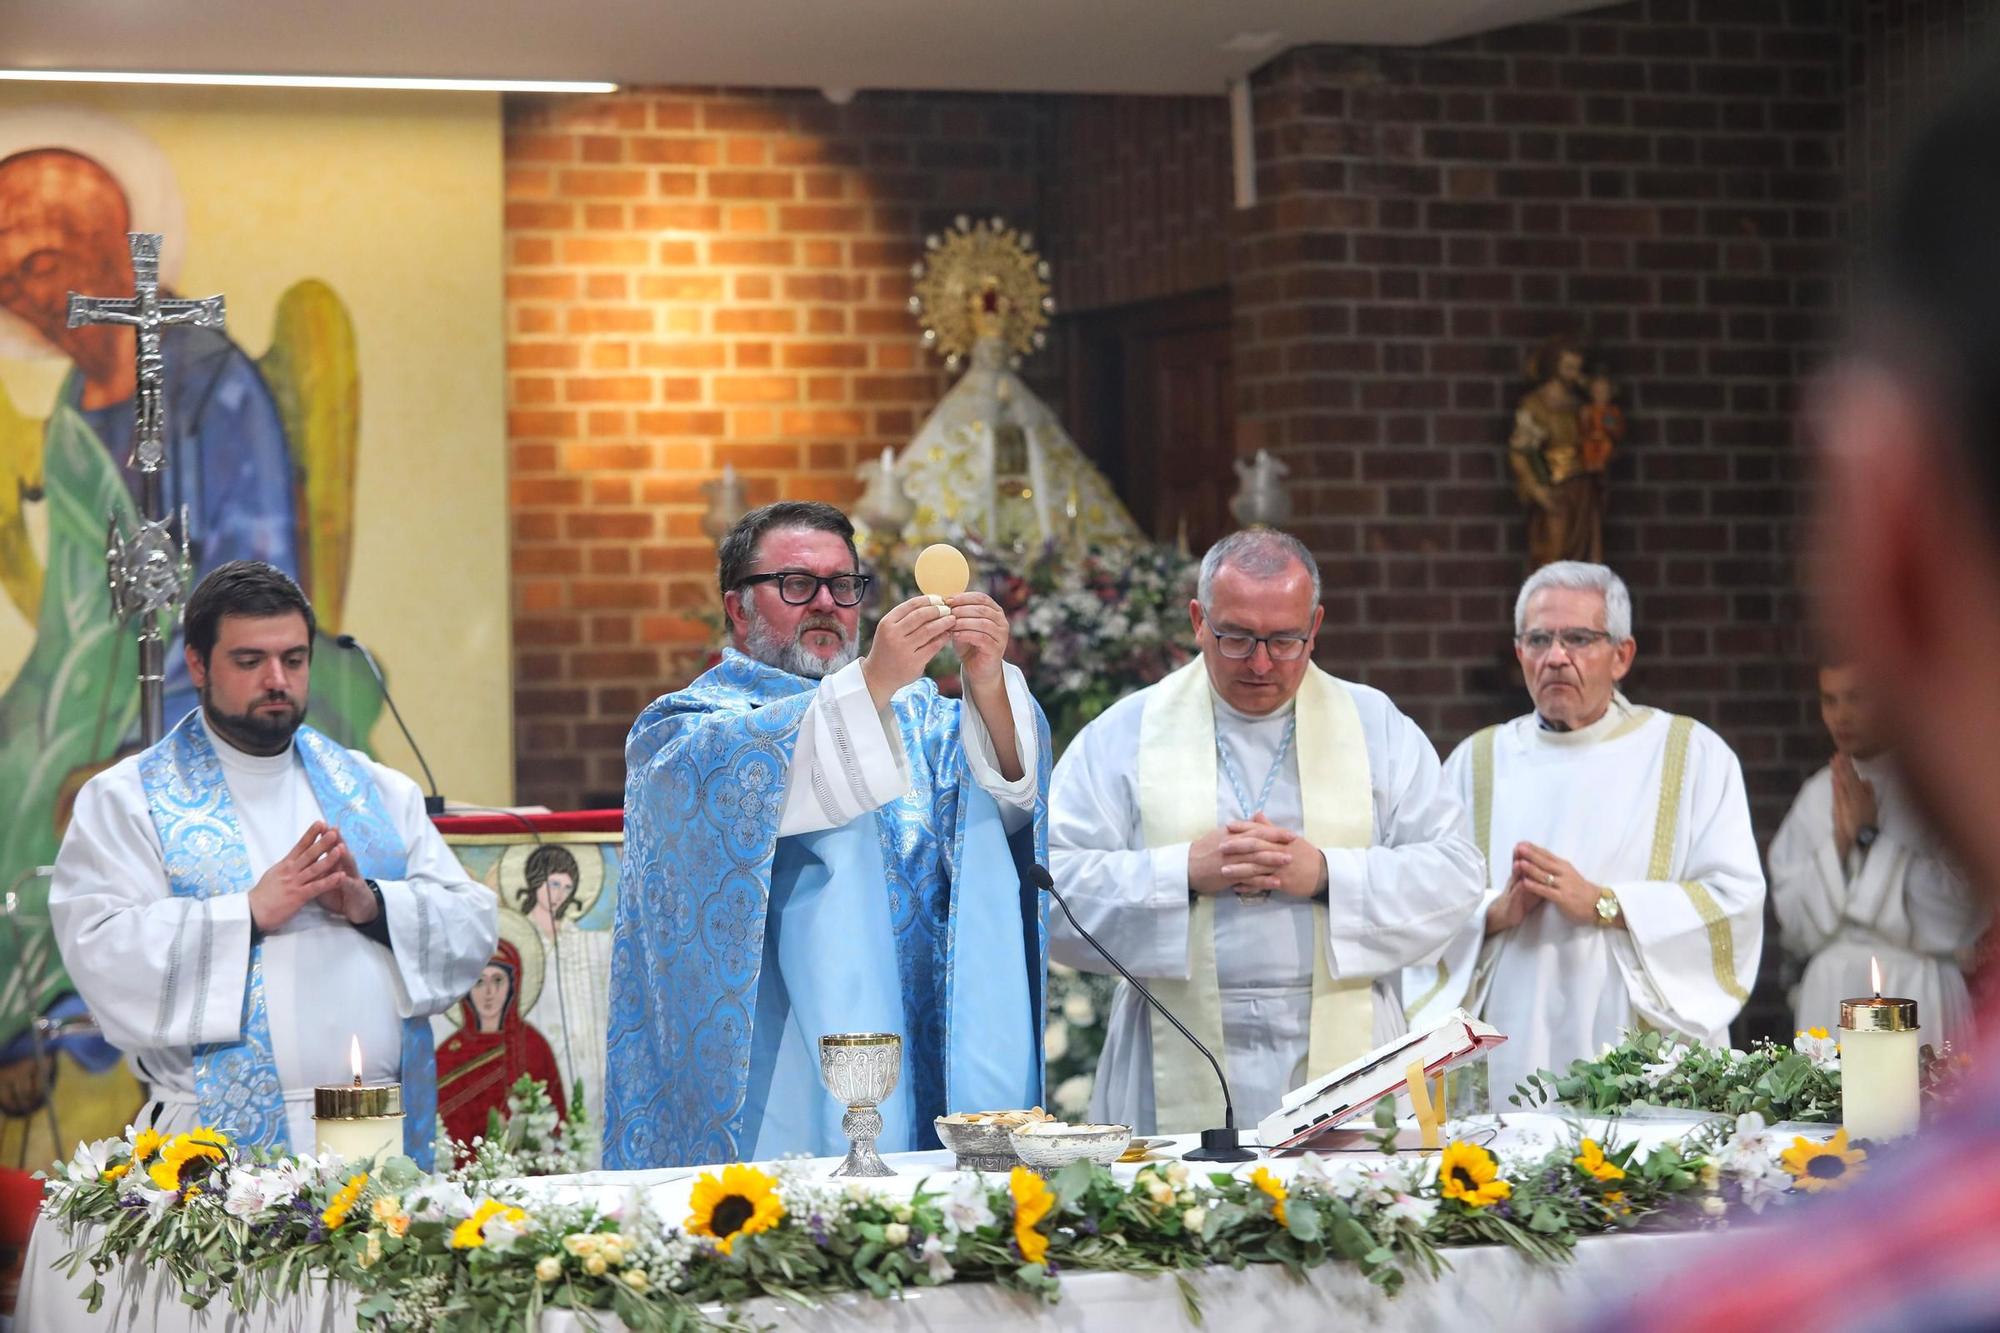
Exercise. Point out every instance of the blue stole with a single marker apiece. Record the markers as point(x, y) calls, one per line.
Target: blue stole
point(236, 1083)
point(735, 951)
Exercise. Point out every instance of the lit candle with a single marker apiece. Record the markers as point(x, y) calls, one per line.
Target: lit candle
point(1878, 1064)
point(359, 1120)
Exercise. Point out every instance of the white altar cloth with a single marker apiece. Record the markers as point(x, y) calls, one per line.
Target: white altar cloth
point(1497, 1287)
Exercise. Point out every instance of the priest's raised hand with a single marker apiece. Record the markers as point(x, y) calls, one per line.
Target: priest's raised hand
point(905, 642)
point(815, 843)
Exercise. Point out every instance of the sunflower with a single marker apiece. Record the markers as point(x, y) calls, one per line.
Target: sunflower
point(471, 1233)
point(1468, 1173)
point(1822, 1166)
point(742, 1203)
point(187, 1158)
point(1591, 1161)
point(343, 1202)
point(1271, 1185)
point(1033, 1201)
point(115, 1172)
point(146, 1145)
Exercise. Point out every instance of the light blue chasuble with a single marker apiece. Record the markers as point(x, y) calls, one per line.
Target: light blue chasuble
point(737, 950)
point(236, 1083)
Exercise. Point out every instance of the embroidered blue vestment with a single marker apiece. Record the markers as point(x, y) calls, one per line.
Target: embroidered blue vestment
point(736, 950)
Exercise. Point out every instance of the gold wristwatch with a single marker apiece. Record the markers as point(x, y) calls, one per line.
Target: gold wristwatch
point(1608, 910)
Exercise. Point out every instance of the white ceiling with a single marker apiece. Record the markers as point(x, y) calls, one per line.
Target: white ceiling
point(1107, 46)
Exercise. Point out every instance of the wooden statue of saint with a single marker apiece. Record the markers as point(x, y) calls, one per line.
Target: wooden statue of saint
point(1558, 451)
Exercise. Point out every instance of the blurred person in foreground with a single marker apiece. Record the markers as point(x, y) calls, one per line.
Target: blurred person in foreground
point(1906, 567)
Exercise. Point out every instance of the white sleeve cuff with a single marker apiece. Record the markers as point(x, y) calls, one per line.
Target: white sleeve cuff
point(980, 757)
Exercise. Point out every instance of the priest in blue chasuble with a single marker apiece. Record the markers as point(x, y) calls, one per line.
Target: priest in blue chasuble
point(818, 841)
point(241, 901)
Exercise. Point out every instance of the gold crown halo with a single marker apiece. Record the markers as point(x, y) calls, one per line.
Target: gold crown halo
point(977, 280)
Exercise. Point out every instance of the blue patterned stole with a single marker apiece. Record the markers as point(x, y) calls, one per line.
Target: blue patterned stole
point(236, 1083)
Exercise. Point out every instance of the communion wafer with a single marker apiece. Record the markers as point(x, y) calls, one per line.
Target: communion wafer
point(942, 571)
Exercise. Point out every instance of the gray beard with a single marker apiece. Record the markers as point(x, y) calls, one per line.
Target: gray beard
point(761, 642)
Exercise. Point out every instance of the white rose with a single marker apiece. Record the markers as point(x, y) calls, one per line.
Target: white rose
point(1160, 1191)
point(896, 1233)
point(1194, 1219)
point(1713, 1206)
point(1078, 1009)
point(1073, 1095)
point(1055, 1041)
point(548, 1268)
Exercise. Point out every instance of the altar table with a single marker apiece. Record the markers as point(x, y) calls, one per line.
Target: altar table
point(1492, 1287)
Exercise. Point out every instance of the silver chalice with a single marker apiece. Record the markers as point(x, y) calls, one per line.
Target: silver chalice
point(860, 1069)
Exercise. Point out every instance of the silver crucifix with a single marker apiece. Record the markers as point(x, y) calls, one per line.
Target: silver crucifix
point(148, 571)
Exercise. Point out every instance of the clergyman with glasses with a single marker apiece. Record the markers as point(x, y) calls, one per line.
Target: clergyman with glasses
point(1268, 846)
point(1622, 882)
point(817, 842)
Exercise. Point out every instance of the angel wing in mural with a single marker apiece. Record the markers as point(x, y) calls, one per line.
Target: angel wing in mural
point(314, 375)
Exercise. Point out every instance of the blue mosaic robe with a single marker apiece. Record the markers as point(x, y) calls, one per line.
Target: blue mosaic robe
point(236, 1083)
point(736, 949)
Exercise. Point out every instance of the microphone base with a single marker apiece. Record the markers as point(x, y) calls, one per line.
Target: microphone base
point(1220, 1145)
point(433, 806)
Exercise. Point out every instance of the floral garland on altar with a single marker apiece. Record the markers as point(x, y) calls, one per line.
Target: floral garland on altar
point(1798, 1083)
point(444, 1252)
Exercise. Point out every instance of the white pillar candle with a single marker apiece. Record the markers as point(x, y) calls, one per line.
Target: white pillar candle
point(1879, 1042)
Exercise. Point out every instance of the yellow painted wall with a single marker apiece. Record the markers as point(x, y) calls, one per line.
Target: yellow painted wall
point(394, 200)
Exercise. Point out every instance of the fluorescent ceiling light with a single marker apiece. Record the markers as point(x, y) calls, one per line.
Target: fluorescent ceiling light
point(308, 81)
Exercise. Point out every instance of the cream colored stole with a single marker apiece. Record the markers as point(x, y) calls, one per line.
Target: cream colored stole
point(1177, 804)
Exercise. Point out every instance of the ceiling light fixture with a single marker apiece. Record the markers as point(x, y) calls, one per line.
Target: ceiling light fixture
point(308, 81)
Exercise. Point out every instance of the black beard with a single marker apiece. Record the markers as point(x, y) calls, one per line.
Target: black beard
point(253, 733)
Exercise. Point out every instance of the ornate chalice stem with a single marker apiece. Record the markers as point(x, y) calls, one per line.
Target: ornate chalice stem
point(863, 1125)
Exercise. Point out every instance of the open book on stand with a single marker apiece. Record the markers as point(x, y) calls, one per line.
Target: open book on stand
point(1310, 1116)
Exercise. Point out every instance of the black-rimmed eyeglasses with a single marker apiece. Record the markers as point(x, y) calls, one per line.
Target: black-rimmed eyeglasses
point(1281, 647)
point(799, 589)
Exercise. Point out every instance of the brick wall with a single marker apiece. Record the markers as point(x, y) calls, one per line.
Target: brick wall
point(1901, 54)
point(694, 279)
point(1662, 178)
point(1136, 198)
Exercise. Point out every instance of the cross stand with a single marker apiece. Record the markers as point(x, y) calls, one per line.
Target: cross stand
point(148, 571)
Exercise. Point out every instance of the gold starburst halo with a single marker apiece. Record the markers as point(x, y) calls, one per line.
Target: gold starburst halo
point(981, 279)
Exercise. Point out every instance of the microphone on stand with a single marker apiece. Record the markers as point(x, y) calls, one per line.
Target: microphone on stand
point(1217, 1145)
point(433, 803)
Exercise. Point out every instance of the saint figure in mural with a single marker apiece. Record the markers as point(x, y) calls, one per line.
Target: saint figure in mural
point(63, 224)
point(560, 887)
point(494, 1045)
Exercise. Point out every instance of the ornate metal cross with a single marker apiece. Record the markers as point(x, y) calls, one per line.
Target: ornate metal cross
point(148, 570)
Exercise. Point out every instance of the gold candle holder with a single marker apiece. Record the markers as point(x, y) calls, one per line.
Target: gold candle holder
point(360, 1121)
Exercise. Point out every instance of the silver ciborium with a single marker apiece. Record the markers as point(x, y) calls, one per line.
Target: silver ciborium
point(860, 1069)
